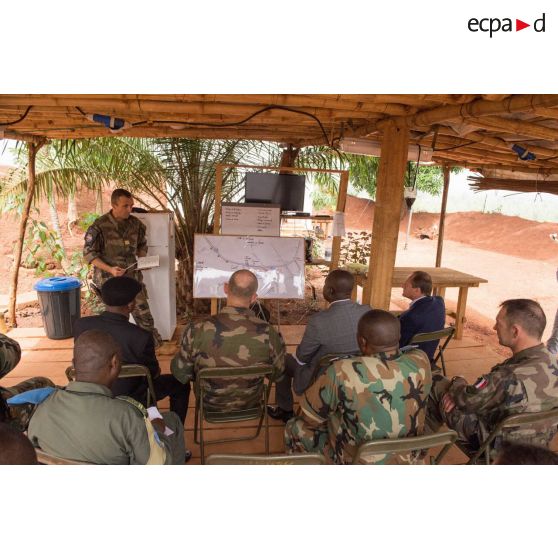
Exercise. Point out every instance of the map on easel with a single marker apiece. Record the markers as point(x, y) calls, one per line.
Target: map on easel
point(277, 262)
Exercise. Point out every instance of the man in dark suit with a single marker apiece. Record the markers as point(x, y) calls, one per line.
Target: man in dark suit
point(425, 314)
point(136, 345)
point(331, 331)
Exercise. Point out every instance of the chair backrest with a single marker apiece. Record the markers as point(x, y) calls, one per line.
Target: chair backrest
point(47, 459)
point(433, 336)
point(327, 359)
point(220, 410)
point(224, 372)
point(295, 459)
point(514, 421)
point(128, 371)
point(406, 445)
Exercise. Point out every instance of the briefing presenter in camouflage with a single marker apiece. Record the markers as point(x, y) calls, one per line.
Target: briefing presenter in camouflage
point(18, 416)
point(526, 382)
point(234, 337)
point(112, 244)
point(382, 394)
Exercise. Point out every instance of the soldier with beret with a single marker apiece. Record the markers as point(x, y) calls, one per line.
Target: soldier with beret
point(112, 244)
point(136, 345)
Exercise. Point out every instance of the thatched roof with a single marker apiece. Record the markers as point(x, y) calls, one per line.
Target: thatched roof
point(476, 131)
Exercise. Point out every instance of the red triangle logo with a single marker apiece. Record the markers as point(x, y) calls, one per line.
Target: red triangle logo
point(519, 25)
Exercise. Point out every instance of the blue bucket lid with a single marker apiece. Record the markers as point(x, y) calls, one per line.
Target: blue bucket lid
point(57, 284)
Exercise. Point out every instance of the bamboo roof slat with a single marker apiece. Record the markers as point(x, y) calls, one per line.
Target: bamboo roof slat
point(471, 130)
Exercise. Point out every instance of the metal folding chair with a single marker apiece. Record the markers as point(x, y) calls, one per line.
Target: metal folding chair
point(514, 421)
point(294, 459)
point(446, 333)
point(202, 387)
point(407, 445)
point(129, 371)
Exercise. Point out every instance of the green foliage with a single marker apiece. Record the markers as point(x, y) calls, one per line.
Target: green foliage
point(355, 248)
point(87, 219)
point(43, 246)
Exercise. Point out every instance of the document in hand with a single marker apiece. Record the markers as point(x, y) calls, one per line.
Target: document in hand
point(148, 262)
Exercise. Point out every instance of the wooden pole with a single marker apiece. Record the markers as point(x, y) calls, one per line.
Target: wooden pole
point(442, 217)
point(341, 202)
point(387, 214)
point(33, 148)
point(217, 217)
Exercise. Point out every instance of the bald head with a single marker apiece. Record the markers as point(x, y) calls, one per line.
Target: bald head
point(15, 448)
point(338, 285)
point(378, 331)
point(96, 353)
point(242, 288)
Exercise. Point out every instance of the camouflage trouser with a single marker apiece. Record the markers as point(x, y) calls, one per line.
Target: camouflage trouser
point(467, 425)
point(142, 314)
point(300, 438)
point(21, 414)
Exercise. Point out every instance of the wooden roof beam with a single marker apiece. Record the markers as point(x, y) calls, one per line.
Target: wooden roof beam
point(520, 127)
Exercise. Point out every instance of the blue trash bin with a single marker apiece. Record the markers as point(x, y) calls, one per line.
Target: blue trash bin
point(60, 302)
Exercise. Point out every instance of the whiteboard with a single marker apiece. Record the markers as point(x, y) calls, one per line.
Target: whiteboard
point(251, 219)
point(277, 262)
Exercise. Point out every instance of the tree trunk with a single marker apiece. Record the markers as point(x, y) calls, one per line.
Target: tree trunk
point(72, 214)
point(33, 148)
point(99, 201)
point(55, 221)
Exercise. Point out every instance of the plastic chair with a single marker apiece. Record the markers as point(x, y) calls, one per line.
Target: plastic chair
point(294, 459)
point(436, 336)
point(129, 371)
point(407, 445)
point(45, 458)
point(201, 388)
point(513, 421)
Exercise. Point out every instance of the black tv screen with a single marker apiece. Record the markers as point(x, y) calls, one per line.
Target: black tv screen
point(286, 190)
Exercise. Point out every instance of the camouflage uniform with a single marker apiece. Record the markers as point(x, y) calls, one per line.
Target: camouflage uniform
point(86, 422)
point(234, 337)
point(361, 399)
point(526, 382)
point(10, 354)
point(117, 243)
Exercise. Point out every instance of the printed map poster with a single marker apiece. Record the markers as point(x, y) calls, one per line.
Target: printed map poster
point(277, 262)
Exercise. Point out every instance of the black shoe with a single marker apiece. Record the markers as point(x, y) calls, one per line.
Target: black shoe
point(279, 414)
point(188, 456)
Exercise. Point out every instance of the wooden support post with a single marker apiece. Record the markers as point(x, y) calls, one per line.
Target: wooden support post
point(442, 217)
point(341, 202)
point(33, 148)
point(217, 217)
point(387, 213)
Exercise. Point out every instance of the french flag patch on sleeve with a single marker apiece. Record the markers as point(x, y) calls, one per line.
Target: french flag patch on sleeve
point(481, 383)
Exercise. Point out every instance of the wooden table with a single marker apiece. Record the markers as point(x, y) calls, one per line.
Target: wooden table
point(442, 278)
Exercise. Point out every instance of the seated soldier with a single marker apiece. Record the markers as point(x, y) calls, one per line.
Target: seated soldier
point(526, 382)
point(10, 354)
point(85, 422)
point(381, 394)
point(136, 345)
point(330, 331)
point(234, 337)
point(15, 447)
point(425, 314)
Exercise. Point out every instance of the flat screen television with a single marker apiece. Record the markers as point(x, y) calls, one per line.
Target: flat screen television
point(286, 190)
